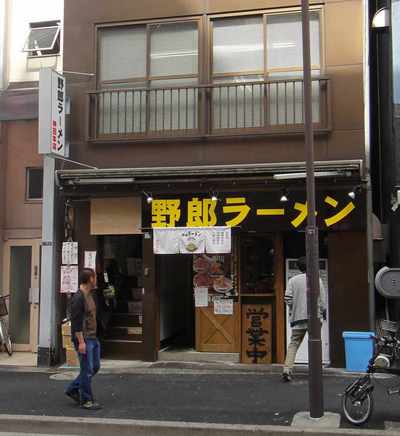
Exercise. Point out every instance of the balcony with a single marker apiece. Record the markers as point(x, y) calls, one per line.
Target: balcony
point(219, 110)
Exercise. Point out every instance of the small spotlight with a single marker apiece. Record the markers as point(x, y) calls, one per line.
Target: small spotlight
point(214, 198)
point(149, 198)
point(353, 193)
point(284, 197)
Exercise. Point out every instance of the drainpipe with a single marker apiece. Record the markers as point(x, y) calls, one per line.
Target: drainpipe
point(367, 179)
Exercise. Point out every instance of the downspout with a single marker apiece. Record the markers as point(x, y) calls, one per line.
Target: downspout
point(367, 164)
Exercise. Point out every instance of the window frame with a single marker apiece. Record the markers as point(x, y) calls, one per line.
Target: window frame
point(57, 37)
point(264, 14)
point(148, 79)
point(27, 185)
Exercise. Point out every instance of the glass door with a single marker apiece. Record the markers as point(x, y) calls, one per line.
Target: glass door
point(21, 283)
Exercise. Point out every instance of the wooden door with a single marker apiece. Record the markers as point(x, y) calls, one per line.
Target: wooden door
point(217, 333)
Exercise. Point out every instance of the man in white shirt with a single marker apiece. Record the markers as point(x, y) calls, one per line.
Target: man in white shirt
point(296, 300)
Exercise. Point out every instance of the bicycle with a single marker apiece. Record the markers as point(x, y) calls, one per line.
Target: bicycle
point(5, 339)
point(358, 401)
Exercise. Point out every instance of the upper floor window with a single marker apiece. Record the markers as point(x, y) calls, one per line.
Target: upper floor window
point(34, 184)
point(149, 54)
point(262, 45)
point(43, 39)
point(254, 49)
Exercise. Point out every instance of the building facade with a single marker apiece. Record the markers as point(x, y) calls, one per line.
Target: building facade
point(30, 39)
point(193, 121)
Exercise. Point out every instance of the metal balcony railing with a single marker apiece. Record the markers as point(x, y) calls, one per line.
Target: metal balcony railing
point(221, 109)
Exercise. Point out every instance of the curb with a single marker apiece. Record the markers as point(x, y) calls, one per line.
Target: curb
point(186, 367)
point(123, 427)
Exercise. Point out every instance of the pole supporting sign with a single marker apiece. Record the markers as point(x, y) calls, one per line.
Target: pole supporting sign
point(52, 108)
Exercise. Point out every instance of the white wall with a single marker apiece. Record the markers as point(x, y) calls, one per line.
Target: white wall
point(19, 14)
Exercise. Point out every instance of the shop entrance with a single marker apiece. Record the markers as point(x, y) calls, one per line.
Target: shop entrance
point(121, 296)
point(228, 304)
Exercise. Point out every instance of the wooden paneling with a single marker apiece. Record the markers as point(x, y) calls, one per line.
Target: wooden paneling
point(217, 333)
point(116, 216)
point(348, 289)
point(256, 333)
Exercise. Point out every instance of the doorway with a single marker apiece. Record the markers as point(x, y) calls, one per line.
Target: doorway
point(120, 296)
point(21, 283)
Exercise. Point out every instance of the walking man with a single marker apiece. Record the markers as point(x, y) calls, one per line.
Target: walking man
point(84, 337)
point(296, 300)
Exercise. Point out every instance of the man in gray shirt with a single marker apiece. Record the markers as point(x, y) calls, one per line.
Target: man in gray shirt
point(296, 300)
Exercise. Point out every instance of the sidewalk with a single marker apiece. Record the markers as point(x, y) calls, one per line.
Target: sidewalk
point(169, 394)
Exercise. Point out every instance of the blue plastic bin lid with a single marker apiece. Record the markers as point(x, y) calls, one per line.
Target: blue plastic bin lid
point(358, 335)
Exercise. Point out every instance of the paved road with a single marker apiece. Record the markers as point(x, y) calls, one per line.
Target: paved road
point(194, 397)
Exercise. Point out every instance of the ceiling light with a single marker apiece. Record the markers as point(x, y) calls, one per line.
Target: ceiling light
point(290, 176)
point(353, 193)
point(107, 181)
point(149, 198)
point(284, 197)
point(381, 19)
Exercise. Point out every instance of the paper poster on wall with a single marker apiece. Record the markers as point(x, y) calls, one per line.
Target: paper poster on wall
point(214, 273)
point(70, 253)
point(223, 306)
point(90, 260)
point(218, 240)
point(201, 297)
point(192, 240)
point(69, 279)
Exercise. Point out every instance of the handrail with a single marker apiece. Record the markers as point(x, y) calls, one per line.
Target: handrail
point(208, 85)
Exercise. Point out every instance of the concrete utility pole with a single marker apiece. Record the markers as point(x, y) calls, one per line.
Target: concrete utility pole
point(312, 249)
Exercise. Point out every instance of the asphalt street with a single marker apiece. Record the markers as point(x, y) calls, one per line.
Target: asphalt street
point(194, 397)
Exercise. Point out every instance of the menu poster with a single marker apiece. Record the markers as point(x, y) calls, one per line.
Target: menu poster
point(90, 260)
point(223, 306)
point(70, 253)
point(201, 297)
point(69, 279)
point(214, 273)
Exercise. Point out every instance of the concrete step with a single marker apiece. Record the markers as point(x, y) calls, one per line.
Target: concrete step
point(195, 356)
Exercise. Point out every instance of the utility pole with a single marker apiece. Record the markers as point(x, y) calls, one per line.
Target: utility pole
point(316, 395)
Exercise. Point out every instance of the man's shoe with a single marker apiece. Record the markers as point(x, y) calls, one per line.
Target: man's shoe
point(91, 405)
point(286, 377)
point(74, 395)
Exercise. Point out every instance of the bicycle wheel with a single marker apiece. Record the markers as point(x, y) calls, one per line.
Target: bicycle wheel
point(357, 410)
point(5, 338)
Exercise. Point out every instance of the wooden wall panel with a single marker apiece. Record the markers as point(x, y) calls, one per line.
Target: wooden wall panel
point(116, 216)
point(217, 333)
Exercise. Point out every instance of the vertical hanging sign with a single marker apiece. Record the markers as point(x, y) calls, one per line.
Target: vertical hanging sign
point(52, 107)
point(58, 114)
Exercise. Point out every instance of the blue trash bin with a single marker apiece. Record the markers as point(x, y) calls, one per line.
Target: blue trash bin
point(359, 347)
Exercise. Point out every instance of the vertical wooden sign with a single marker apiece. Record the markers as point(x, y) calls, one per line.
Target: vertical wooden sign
point(256, 333)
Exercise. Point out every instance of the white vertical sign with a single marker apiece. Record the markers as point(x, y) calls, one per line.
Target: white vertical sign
point(52, 106)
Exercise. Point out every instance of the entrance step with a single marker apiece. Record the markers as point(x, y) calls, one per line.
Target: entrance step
point(124, 333)
point(126, 320)
point(124, 349)
point(195, 356)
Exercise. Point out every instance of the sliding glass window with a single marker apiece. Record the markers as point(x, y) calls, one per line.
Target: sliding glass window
point(152, 69)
